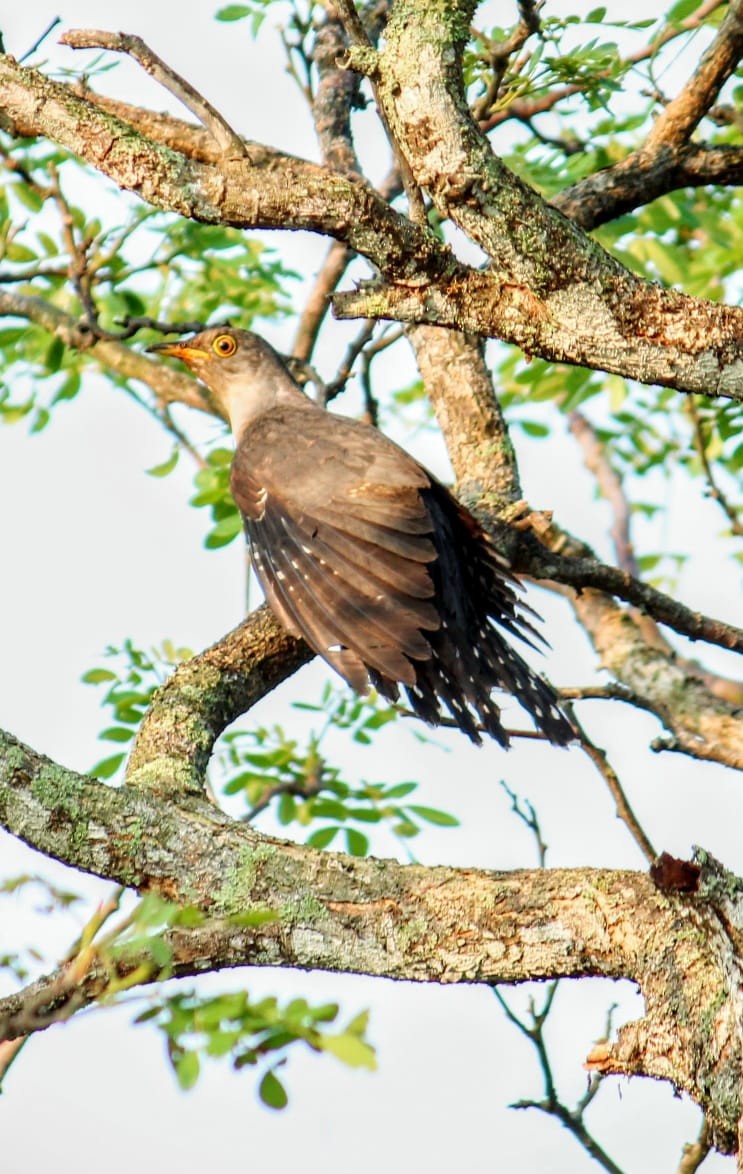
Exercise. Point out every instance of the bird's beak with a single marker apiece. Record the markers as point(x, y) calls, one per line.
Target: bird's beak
point(180, 350)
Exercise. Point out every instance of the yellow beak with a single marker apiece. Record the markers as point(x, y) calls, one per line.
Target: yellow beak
point(180, 350)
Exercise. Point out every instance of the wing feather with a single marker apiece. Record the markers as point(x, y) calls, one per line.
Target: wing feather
point(327, 609)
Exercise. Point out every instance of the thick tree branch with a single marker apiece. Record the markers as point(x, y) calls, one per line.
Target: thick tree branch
point(656, 335)
point(639, 179)
point(203, 696)
point(269, 191)
point(426, 924)
point(558, 272)
point(569, 302)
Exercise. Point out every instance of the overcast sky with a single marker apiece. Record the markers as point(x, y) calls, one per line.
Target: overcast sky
point(95, 550)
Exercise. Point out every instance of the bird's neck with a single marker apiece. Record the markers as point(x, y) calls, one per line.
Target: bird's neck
point(266, 392)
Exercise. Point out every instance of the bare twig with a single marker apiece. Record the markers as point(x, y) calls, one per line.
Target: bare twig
point(526, 812)
point(610, 484)
point(624, 810)
point(355, 348)
point(40, 39)
point(77, 250)
point(551, 1104)
point(227, 139)
point(732, 514)
point(317, 304)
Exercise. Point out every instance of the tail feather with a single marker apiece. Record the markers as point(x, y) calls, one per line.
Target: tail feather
point(476, 598)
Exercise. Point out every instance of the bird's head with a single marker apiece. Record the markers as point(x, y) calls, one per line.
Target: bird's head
point(243, 373)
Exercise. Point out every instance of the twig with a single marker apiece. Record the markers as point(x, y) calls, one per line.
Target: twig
point(358, 37)
point(524, 109)
point(694, 1153)
point(551, 1104)
point(168, 385)
point(527, 814)
point(714, 491)
point(610, 484)
point(364, 335)
point(667, 159)
point(40, 39)
point(499, 53)
point(588, 572)
point(227, 139)
point(611, 778)
point(314, 785)
point(52, 998)
point(78, 270)
point(317, 304)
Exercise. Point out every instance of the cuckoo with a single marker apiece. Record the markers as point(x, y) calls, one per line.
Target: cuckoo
point(364, 553)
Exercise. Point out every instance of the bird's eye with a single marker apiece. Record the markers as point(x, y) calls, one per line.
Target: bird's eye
point(224, 345)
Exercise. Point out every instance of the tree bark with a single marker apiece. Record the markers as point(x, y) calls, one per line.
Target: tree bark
point(378, 917)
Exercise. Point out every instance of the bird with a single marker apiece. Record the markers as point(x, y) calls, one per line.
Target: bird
point(365, 554)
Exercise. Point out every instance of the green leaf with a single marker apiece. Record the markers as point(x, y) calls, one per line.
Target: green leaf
point(681, 10)
point(98, 676)
point(233, 12)
point(224, 532)
point(28, 196)
point(69, 388)
point(166, 467)
point(272, 1091)
point(322, 837)
point(400, 790)
point(117, 734)
point(287, 809)
point(356, 842)
point(54, 355)
point(442, 819)
point(187, 1067)
point(349, 1048)
point(107, 767)
point(16, 252)
point(532, 428)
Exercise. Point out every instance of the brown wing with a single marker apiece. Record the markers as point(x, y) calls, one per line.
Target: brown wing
point(341, 539)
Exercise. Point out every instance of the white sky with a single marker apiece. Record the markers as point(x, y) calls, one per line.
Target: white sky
point(95, 551)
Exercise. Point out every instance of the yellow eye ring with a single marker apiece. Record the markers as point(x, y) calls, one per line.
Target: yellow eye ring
point(224, 345)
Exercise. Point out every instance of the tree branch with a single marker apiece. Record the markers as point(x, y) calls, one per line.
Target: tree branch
point(203, 696)
point(582, 573)
point(668, 160)
point(572, 302)
point(168, 386)
point(355, 915)
point(227, 140)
